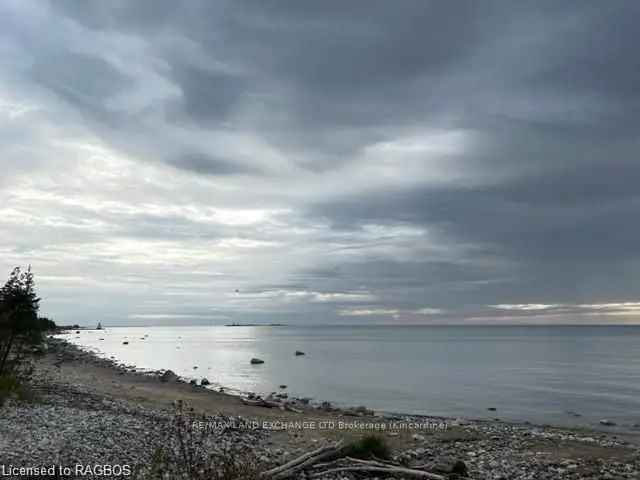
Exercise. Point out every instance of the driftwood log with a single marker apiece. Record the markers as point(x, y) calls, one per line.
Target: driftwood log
point(390, 470)
point(303, 461)
point(313, 461)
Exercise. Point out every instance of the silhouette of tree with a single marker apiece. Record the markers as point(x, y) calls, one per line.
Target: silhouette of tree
point(19, 321)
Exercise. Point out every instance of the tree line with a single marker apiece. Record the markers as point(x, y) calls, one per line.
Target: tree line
point(21, 328)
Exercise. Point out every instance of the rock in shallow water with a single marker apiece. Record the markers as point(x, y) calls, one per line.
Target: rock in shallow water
point(607, 423)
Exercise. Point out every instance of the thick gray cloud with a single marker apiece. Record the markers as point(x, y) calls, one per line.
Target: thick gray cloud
point(323, 161)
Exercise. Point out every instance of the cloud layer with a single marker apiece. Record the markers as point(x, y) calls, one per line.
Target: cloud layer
point(322, 161)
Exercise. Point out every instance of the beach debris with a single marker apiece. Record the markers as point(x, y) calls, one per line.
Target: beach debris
point(299, 353)
point(303, 461)
point(608, 423)
point(168, 376)
point(256, 361)
point(331, 459)
point(205, 381)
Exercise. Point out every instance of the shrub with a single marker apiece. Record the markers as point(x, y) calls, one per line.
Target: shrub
point(10, 386)
point(368, 447)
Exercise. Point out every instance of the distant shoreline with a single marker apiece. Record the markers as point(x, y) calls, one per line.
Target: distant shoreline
point(256, 325)
point(62, 328)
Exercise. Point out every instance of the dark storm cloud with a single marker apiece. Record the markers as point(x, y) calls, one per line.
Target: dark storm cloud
point(207, 165)
point(207, 96)
point(441, 156)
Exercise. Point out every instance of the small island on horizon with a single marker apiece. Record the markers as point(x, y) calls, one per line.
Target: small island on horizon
point(255, 324)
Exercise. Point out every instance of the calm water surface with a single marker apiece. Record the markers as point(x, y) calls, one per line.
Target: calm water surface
point(527, 373)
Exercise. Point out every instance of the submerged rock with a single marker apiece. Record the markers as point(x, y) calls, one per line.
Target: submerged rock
point(256, 361)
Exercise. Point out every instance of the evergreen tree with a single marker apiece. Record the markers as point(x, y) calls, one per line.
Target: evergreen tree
point(19, 322)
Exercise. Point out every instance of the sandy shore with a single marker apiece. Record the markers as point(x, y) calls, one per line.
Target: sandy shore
point(87, 410)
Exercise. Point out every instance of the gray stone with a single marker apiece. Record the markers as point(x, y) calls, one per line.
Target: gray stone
point(168, 376)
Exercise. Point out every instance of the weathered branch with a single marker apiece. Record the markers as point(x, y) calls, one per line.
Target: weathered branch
point(302, 462)
point(408, 472)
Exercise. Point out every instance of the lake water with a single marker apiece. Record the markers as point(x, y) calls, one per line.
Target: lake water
point(527, 373)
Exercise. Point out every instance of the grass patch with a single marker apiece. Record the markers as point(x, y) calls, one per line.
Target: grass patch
point(10, 387)
point(370, 446)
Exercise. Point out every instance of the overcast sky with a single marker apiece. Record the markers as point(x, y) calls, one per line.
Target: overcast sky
point(323, 161)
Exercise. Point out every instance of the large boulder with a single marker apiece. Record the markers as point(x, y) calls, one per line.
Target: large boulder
point(168, 376)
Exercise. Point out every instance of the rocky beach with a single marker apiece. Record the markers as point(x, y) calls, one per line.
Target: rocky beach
point(86, 411)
